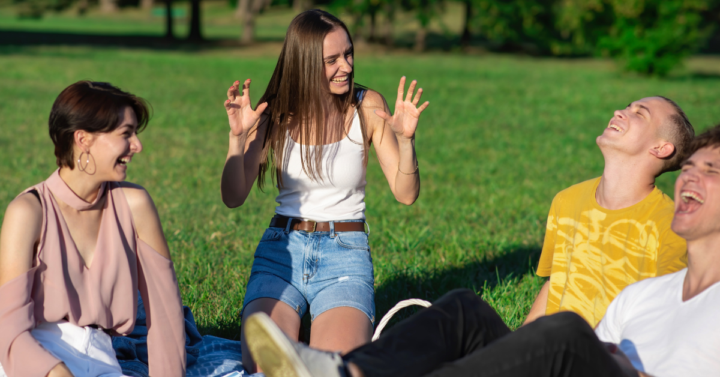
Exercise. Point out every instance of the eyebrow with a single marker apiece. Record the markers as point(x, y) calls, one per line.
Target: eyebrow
point(348, 51)
point(711, 164)
point(129, 126)
point(641, 106)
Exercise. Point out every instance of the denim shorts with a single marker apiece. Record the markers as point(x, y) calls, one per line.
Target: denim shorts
point(319, 270)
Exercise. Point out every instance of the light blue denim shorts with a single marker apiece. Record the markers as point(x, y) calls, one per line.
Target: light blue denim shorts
point(319, 270)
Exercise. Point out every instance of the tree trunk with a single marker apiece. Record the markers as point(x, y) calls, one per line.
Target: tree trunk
point(252, 9)
point(420, 39)
point(108, 6)
point(300, 6)
point(266, 5)
point(242, 6)
point(195, 32)
point(466, 36)
point(373, 23)
point(388, 31)
point(147, 4)
point(83, 6)
point(169, 34)
point(357, 30)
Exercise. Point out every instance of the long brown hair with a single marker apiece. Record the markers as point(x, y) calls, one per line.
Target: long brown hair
point(297, 89)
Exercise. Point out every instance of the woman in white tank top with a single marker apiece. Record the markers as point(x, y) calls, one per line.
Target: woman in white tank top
point(313, 128)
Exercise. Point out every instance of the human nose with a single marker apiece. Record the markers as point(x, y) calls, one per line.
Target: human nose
point(136, 144)
point(346, 65)
point(688, 175)
point(619, 114)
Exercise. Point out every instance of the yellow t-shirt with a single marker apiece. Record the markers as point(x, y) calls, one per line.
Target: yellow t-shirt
point(592, 253)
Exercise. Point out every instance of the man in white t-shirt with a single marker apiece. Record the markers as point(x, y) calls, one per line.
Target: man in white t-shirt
point(670, 325)
point(666, 326)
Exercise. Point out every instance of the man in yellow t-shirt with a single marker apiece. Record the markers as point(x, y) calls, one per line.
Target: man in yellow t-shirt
point(609, 232)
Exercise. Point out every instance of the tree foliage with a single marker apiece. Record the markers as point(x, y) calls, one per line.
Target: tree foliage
point(646, 36)
point(654, 36)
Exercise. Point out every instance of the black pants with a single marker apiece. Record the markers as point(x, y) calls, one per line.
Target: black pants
point(461, 335)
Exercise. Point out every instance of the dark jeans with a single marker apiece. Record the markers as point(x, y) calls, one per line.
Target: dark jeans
point(461, 335)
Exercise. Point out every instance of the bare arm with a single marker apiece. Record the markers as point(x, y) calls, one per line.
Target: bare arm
point(242, 163)
point(540, 305)
point(395, 144)
point(158, 287)
point(19, 236)
point(146, 218)
point(18, 241)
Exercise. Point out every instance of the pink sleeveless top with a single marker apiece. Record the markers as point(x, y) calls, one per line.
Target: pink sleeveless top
point(60, 287)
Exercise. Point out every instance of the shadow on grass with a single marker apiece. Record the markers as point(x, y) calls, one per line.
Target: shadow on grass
point(44, 38)
point(487, 272)
point(427, 284)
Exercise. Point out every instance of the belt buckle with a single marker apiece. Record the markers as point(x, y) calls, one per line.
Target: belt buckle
point(314, 227)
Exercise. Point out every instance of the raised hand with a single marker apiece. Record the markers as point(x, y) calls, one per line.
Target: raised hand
point(241, 116)
point(404, 121)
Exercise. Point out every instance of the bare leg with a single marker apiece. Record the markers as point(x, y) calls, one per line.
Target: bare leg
point(341, 329)
point(281, 313)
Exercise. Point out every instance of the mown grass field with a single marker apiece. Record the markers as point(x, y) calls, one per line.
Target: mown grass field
point(502, 135)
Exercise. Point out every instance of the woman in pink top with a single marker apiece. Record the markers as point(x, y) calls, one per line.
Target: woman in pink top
point(76, 248)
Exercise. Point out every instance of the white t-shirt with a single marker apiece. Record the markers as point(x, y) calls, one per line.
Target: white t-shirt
point(661, 334)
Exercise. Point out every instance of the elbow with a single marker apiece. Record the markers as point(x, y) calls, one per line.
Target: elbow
point(409, 198)
point(407, 201)
point(232, 202)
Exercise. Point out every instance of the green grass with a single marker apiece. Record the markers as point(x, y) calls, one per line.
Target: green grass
point(502, 135)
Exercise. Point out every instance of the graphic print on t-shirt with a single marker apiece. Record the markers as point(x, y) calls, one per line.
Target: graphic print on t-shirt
point(592, 253)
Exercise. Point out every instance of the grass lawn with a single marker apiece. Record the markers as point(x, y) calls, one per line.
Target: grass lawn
point(502, 135)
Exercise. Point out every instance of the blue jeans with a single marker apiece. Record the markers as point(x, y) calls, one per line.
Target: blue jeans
point(319, 270)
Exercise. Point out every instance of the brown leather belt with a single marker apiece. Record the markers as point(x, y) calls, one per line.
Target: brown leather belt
point(279, 221)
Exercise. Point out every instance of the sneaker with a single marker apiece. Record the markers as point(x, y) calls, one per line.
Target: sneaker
point(278, 356)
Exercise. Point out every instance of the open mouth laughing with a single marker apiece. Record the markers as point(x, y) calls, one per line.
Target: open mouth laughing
point(615, 127)
point(340, 80)
point(124, 160)
point(690, 202)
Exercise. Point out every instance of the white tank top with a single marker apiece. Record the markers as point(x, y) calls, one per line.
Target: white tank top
point(340, 195)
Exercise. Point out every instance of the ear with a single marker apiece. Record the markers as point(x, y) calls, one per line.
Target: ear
point(83, 140)
point(663, 150)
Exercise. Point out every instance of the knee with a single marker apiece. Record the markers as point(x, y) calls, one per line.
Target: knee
point(564, 325)
point(462, 299)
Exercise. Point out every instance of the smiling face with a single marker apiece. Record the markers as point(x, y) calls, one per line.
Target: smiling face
point(338, 60)
point(697, 195)
point(113, 150)
point(636, 129)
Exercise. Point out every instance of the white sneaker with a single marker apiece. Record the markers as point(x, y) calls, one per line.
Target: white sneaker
point(278, 356)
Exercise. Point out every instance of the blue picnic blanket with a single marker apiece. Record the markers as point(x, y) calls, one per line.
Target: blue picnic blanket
point(207, 356)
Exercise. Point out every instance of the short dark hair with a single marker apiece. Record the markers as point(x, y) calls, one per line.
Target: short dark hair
point(708, 139)
point(93, 107)
point(680, 132)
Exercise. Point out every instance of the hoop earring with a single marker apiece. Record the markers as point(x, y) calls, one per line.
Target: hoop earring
point(87, 163)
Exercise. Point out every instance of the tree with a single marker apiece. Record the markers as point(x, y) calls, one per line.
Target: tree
point(425, 11)
point(301, 5)
point(108, 6)
point(169, 34)
point(195, 32)
point(655, 36)
point(250, 10)
point(466, 36)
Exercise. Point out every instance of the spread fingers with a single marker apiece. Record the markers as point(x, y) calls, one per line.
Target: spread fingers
point(418, 95)
point(410, 91)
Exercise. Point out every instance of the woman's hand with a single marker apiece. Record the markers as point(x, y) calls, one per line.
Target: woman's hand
point(239, 109)
point(60, 370)
point(404, 122)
